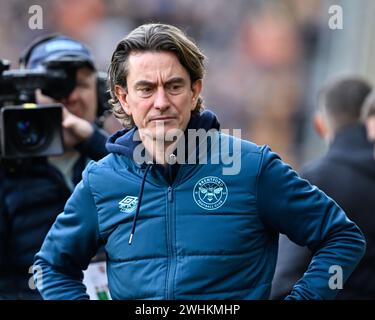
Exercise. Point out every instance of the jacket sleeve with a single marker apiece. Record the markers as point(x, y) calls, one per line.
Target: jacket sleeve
point(94, 148)
point(290, 205)
point(68, 248)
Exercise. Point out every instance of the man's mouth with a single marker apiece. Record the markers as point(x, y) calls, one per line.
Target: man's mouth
point(162, 118)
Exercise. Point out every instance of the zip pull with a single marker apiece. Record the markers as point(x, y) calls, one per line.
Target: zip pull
point(170, 194)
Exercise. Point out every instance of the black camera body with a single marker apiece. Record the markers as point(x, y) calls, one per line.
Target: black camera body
point(29, 130)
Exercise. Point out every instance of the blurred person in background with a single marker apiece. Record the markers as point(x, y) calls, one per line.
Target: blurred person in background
point(270, 50)
point(347, 174)
point(33, 195)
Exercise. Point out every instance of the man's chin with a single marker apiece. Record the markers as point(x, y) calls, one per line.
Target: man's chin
point(166, 133)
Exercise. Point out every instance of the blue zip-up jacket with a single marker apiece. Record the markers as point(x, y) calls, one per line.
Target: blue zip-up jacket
point(207, 235)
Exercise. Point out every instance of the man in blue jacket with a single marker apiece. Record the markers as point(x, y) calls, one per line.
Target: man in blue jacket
point(177, 225)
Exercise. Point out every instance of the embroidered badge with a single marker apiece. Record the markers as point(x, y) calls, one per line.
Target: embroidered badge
point(210, 193)
point(128, 204)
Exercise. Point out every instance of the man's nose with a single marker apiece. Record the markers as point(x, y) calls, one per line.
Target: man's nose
point(161, 101)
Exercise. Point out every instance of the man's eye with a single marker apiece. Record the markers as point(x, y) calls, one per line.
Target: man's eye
point(145, 91)
point(175, 88)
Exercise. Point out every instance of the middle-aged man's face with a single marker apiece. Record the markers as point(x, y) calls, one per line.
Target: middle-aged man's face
point(82, 101)
point(159, 92)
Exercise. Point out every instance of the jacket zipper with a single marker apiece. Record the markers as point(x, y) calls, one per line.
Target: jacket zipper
point(171, 267)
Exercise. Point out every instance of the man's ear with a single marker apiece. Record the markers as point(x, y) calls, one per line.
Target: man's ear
point(196, 89)
point(122, 96)
point(320, 125)
point(370, 126)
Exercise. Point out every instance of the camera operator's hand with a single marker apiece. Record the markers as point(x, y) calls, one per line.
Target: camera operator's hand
point(75, 129)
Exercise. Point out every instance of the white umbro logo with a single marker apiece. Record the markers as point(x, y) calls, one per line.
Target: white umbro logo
point(128, 204)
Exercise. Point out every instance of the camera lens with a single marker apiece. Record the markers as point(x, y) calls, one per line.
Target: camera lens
point(31, 131)
point(28, 134)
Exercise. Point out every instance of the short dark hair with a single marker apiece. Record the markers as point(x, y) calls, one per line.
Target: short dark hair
point(159, 38)
point(342, 99)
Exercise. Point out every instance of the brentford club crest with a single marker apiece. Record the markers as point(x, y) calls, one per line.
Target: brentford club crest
point(210, 193)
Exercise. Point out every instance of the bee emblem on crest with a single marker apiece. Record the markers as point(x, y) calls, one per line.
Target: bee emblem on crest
point(210, 193)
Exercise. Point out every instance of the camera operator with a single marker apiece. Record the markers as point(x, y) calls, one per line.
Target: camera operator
point(34, 193)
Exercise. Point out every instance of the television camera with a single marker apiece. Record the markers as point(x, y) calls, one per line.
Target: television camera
point(29, 130)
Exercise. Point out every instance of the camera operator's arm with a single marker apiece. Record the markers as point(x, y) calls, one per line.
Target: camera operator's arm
point(87, 138)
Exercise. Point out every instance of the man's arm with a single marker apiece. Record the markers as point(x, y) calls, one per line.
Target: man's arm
point(68, 248)
point(87, 138)
point(291, 206)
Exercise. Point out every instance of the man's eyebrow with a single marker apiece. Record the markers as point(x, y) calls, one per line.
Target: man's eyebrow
point(141, 83)
point(175, 80)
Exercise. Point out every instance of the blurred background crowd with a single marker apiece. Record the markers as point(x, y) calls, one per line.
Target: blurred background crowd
point(267, 58)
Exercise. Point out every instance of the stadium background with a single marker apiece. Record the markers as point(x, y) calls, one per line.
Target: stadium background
point(267, 59)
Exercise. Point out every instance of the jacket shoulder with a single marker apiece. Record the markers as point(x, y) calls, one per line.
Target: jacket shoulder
point(111, 162)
